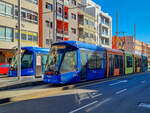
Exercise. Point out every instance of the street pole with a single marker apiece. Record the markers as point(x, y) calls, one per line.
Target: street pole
point(19, 39)
point(54, 20)
point(63, 19)
point(134, 37)
point(117, 23)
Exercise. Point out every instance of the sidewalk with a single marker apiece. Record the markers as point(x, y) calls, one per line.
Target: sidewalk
point(13, 82)
point(3, 76)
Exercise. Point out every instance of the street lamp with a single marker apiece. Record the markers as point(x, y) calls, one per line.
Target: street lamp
point(19, 39)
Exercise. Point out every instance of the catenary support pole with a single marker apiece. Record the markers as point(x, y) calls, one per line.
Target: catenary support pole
point(19, 39)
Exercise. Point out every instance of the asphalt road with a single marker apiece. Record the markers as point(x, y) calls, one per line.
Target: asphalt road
point(129, 94)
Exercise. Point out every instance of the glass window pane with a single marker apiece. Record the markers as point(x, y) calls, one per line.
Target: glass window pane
point(69, 63)
point(9, 10)
point(116, 61)
point(27, 60)
point(2, 33)
point(23, 35)
point(99, 58)
point(30, 36)
point(35, 37)
point(9, 34)
point(129, 61)
point(2, 8)
point(16, 34)
point(92, 60)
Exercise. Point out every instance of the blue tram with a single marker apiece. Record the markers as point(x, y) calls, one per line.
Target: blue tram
point(33, 61)
point(72, 61)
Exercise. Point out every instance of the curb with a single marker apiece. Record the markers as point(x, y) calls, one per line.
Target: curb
point(57, 90)
point(22, 85)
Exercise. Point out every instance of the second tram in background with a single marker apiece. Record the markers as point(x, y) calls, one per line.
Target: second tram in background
point(73, 61)
point(33, 60)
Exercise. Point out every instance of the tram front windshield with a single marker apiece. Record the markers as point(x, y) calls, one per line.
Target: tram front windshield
point(26, 60)
point(62, 59)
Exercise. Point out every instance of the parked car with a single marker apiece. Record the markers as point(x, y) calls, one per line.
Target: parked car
point(4, 68)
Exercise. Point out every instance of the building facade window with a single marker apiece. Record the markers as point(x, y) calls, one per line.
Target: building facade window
point(23, 35)
point(86, 35)
point(6, 34)
point(27, 15)
point(27, 35)
point(74, 2)
point(30, 36)
point(73, 30)
point(73, 16)
point(49, 6)
point(47, 23)
point(86, 22)
point(48, 41)
point(33, 1)
point(91, 23)
point(6, 9)
point(91, 35)
point(107, 41)
point(59, 10)
point(35, 37)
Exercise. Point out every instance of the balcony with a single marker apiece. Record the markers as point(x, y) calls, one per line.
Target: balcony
point(105, 34)
point(65, 2)
point(61, 32)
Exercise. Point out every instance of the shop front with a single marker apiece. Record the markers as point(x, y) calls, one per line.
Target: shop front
point(6, 55)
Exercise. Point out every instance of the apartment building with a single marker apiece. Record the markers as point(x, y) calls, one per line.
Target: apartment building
point(144, 49)
point(8, 26)
point(86, 28)
point(148, 54)
point(73, 19)
point(45, 23)
point(106, 30)
point(103, 23)
point(138, 47)
point(66, 21)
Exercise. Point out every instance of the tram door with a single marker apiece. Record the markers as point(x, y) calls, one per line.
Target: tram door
point(121, 65)
point(83, 65)
point(111, 65)
point(39, 65)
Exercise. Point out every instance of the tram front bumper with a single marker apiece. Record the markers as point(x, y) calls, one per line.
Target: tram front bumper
point(52, 79)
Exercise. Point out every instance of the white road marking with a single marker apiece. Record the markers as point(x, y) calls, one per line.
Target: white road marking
point(98, 105)
point(123, 81)
point(84, 98)
point(121, 91)
point(83, 107)
point(94, 96)
point(144, 105)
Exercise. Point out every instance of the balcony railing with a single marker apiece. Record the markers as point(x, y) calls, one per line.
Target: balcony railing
point(107, 24)
point(62, 32)
point(105, 33)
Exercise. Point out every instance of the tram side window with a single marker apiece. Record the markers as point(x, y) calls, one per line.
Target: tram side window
point(27, 60)
point(91, 60)
point(116, 61)
point(69, 63)
point(95, 60)
point(99, 61)
point(139, 62)
point(136, 61)
point(44, 59)
point(129, 61)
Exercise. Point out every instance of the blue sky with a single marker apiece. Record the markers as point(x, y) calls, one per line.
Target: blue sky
point(130, 12)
